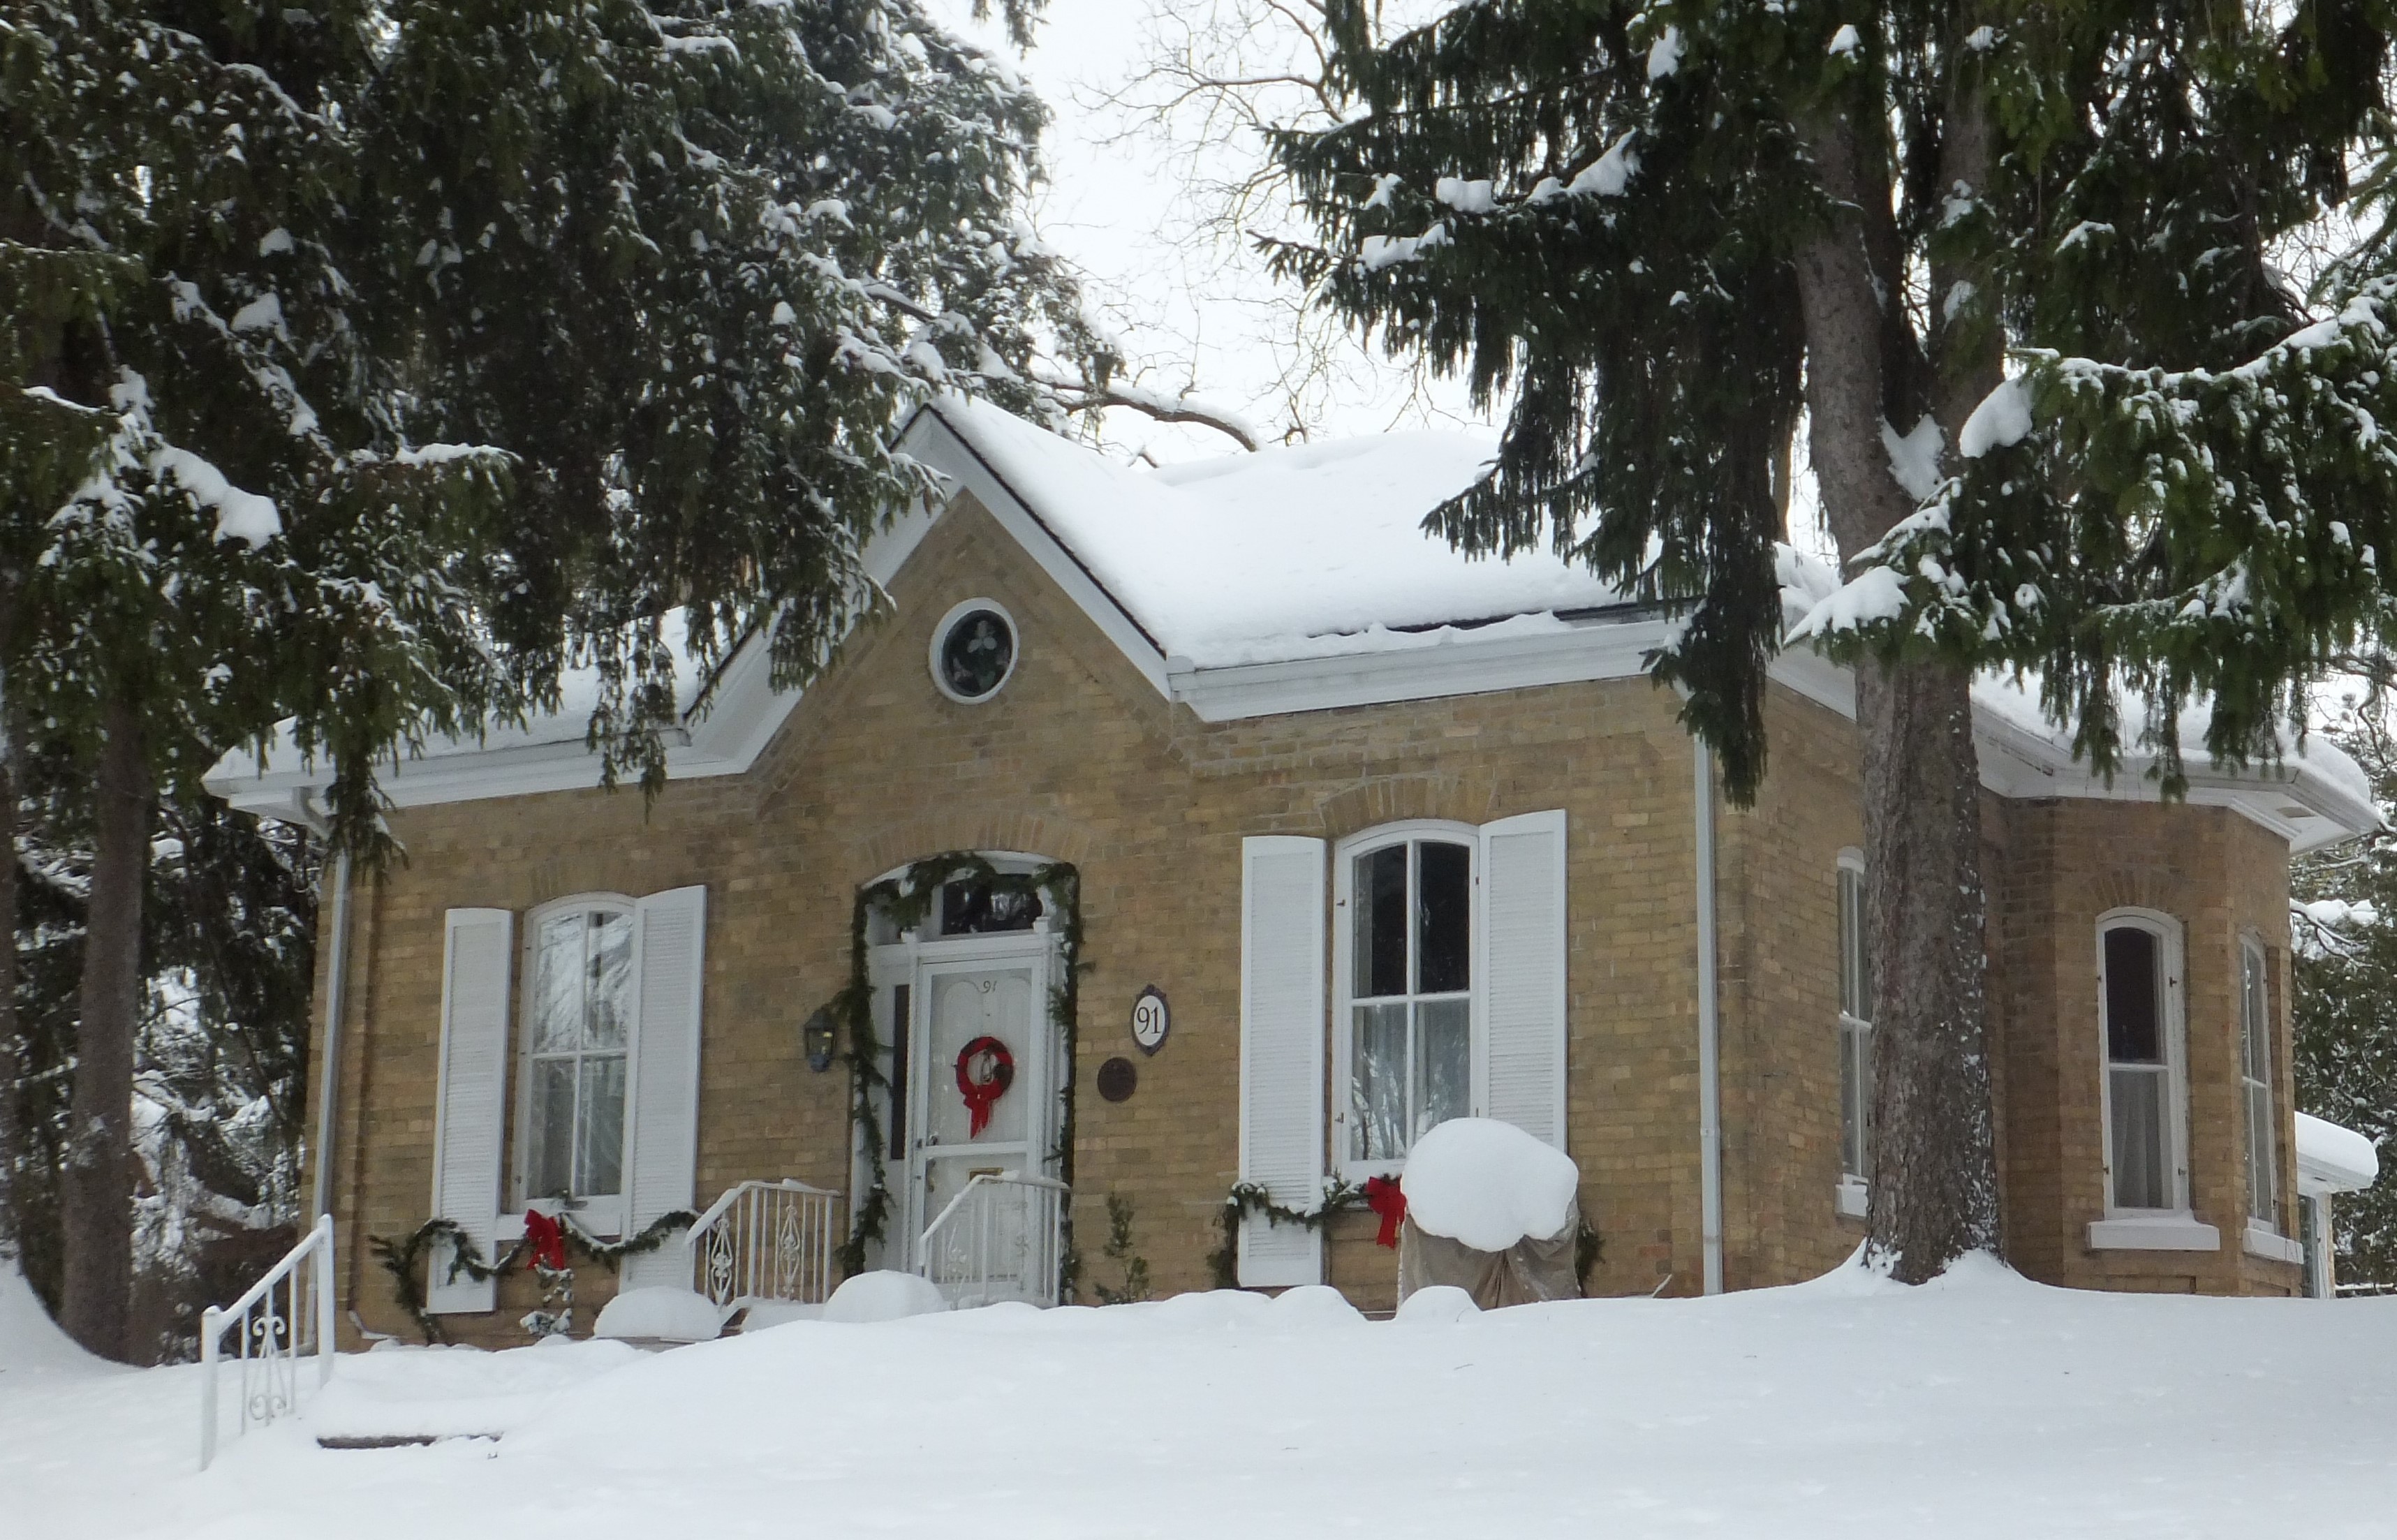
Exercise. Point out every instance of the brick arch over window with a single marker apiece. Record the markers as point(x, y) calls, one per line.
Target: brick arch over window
point(895, 844)
point(1469, 797)
point(2141, 888)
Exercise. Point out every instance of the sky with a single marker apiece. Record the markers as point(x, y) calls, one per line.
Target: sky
point(1196, 317)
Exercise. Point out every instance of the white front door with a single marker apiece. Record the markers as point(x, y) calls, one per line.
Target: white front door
point(981, 1083)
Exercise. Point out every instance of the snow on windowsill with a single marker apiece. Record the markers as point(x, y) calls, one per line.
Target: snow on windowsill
point(2270, 1244)
point(2160, 1232)
point(1851, 1199)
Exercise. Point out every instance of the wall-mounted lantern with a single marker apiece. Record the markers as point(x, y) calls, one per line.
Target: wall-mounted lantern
point(816, 1039)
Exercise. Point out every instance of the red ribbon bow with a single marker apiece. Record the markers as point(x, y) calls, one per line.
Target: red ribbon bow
point(1384, 1196)
point(547, 1238)
point(982, 1091)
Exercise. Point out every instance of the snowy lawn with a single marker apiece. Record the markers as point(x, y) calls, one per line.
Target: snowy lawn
point(1980, 1406)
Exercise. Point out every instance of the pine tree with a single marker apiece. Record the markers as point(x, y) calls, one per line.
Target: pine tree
point(2014, 266)
point(2344, 936)
point(367, 364)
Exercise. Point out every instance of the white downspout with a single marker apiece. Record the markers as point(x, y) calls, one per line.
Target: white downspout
point(1709, 1032)
point(329, 1082)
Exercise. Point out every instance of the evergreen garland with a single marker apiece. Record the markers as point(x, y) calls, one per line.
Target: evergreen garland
point(399, 1259)
point(1248, 1197)
point(906, 901)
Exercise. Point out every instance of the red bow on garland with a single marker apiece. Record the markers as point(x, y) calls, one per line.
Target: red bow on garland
point(1384, 1196)
point(547, 1238)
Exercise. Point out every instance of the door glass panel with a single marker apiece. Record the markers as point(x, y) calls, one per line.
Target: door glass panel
point(990, 1003)
point(1381, 899)
point(1378, 1082)
point(1444, 1062)
point(1444, 925)
point(2140, 1155)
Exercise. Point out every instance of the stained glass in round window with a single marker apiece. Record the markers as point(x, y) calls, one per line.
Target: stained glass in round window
point(975, 654)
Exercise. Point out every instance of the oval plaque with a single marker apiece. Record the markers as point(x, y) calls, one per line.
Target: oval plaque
point(1151, 1019)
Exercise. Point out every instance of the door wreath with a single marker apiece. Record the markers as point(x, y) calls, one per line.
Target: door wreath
point(984, 1071)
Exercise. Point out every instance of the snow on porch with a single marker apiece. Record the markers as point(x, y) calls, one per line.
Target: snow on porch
point(1982, 1406)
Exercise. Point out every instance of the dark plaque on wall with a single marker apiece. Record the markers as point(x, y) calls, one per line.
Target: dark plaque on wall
point(1116, 1079)
point(1151, 1019)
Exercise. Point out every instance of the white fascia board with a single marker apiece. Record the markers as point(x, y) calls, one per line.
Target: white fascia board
point(743, 712)
point(1592, 649)
point(2291, 801)
point(932, 439)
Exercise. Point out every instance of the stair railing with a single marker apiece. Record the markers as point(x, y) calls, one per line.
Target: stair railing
point(767, 1240)
point(286, 1315)
point(1000, 1239)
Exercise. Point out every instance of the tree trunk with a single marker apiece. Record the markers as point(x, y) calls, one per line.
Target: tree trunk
point(97, 1181)
point(1933, 1176)
point(12, 1060)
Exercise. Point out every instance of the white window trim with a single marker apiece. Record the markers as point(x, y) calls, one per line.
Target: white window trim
point(1851, 1195)
point(2252, 946)
point(1344, 975)
point(941, 637)
point(600, 1215)
point(2173, 1228)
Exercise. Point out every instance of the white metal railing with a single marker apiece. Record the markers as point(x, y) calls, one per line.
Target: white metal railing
point(274, 1326)
point(999, 1238)
point(766, 1241)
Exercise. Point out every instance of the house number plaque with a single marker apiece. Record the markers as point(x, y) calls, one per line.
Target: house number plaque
point(1151, 1019)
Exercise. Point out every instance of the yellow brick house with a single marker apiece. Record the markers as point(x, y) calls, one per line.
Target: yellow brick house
point(1291, 833)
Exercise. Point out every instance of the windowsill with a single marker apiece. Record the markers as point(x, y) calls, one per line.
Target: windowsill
point(2271, 1245)
point(2153, 1232)
point(1851, 1199)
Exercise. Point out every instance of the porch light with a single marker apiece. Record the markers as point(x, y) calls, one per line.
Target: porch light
point(816, 1039)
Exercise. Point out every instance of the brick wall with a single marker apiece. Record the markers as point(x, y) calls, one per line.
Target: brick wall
point(1078, 760)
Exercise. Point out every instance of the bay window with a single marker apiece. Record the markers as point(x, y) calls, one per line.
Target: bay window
point(2255, 1086)
point(1855, 1039)
point(2139, 995)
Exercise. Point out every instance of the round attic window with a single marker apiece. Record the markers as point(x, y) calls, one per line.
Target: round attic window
point(973, 651)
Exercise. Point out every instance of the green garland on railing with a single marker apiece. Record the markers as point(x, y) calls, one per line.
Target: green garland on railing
point(1248, 1197)
point(399, 1257)
point(907, 901)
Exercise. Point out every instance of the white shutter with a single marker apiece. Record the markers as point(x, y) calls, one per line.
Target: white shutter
point(471, 1102)
point(1281, 1051)
point(1522, 958)
point(662, 1156)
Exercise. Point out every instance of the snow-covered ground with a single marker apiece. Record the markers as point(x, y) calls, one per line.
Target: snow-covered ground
point(1980, 1406)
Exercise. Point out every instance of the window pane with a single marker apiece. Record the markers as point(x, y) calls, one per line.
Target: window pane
point(1380, 939)
point(2254, 1023)
point(1377, 1094)
point(973, 907)
point(549, 1134)
point(557, 984)
point(2140, 1158)
point(1444, 922)
point(1852, 974)
point(610, 1006)
point(2134, 997)
point(1853, 1093)
point(2261, 1199)
point(603, 1126)
point(1443, 1061)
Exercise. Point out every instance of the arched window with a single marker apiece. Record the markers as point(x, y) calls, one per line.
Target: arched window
point(579, 1023)
point(1405, 1014)
point(2144, 1092)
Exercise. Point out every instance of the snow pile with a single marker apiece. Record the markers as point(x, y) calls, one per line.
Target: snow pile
point(1441, 1305)
point(1979, 1407)
point(665, 1313)
point(1488, 1184)
point(1261, 557)
point(2335, 1159)
point(871, 1297)
point(29, 1338)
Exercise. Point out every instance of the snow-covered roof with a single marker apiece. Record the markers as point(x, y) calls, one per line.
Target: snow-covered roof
point(1305, 551)
point(1289, 580)
point(2332, 1158)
